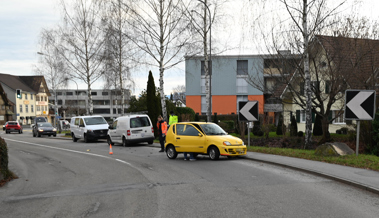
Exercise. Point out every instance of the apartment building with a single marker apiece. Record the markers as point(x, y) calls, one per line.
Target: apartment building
point(73, 102)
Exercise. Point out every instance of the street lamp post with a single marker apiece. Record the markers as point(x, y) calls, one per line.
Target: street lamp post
point(209, 111)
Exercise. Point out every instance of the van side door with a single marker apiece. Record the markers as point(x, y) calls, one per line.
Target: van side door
point(81, 128)
point(114, 132)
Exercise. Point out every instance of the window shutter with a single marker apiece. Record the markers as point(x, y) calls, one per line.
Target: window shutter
point(330, 116)
point(298, 116)
point(313, 117)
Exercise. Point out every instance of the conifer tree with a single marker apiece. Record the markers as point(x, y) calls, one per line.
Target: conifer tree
point(153, 109)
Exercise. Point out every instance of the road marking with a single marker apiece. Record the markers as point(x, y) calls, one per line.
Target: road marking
point(68, 150)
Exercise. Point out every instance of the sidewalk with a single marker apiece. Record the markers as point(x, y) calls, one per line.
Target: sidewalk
point(361, 178)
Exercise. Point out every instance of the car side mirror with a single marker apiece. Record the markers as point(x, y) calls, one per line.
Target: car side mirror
point(110, 127)
point(200, 135)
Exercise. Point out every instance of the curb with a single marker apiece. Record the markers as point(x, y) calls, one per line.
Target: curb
point(321, 174)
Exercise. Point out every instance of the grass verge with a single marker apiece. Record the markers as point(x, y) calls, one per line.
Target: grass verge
point(363, 161)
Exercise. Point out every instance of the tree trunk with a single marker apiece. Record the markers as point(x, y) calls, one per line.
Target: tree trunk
point(308, 91)
point(325, 130)
point(161, 61)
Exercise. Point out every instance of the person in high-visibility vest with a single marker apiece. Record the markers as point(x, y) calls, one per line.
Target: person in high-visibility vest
point(162, 130)
point(173, 118)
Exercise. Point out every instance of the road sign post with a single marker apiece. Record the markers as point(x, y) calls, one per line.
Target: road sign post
point(359, 105)
point(248, 112)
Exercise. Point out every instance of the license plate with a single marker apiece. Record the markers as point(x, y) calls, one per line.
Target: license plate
point(12, 129)
point(239, 149)
point(142, 134)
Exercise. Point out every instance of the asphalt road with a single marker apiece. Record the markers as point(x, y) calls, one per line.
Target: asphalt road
point(60, 178)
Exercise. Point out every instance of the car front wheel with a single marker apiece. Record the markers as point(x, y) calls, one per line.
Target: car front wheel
point(73, 138)
point(171, 152)
point(214, 153)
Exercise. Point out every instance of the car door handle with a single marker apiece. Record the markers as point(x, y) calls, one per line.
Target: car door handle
point(178, 138)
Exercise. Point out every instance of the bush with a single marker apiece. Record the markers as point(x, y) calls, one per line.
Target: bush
point(300, 134)
point(293, 127)
point(279, 128)
point(4, 171)
point(185, 113)
point(215, 120)
point(257, 131)
point(197, 117)
point(229, 125)
point(317, 127)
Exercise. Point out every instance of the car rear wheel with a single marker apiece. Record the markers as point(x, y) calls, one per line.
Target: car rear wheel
point(171, 152)
point(150, 142)
point(124, 142)
point(55, 135)
point(73, 138)
point(214, 153)
point(19, 131)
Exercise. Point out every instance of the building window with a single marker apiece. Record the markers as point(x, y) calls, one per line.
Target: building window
point(59, 102)
point(93, 93)
point(59, 93)
point(26, 96)
point(240, 98)
point(242, 68)
point(37, 98)
point(338, 117)
point(31, 96)
point(38, 108)
point(31, 108)
point(209, 67)
point(241, 85)
point(104, 93)
point(69, 93)
point(26, 109)
point(203, 88)
point(20, 108)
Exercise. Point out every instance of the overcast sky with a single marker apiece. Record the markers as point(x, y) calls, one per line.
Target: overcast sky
point(22, 20)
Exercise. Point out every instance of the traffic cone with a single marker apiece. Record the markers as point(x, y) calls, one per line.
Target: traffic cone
point(110, 149)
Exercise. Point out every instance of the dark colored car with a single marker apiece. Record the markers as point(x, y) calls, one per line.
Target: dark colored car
point(13, 126)
point(44, 128)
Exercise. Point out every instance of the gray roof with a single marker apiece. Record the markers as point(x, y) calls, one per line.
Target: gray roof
point(14, 82)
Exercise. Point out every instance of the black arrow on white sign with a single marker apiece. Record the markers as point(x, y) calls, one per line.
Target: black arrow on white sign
point(248, 111)
point(360, 104)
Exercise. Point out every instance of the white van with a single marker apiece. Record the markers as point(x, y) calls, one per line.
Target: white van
point(131, 129)
point(88, 128)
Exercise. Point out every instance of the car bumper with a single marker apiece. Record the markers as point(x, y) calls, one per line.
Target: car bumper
point(97, 135)
point(233, 151)
point(48, 133)
point(13, 130)
point(139, 140)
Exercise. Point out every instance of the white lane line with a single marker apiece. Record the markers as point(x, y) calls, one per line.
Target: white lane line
point(68, 150)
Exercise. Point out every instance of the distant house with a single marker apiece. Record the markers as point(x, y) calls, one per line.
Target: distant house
point(6, 107)
point(336, 64)
point(33, 100)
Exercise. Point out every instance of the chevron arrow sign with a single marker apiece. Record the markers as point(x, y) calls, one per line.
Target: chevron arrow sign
point(248, 111)
point(360, 104)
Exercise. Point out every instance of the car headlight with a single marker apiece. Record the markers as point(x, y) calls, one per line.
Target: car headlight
point(227, 143)
point(40, 130)
point(54, 129)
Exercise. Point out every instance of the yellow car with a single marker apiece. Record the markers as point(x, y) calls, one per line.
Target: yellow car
point(202, 138)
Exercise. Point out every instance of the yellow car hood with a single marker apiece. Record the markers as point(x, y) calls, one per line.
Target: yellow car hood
point(221, 138)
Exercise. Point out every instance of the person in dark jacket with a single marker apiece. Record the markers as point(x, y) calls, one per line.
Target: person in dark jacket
point(162, 130)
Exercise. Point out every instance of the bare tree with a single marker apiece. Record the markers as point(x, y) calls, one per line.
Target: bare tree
point(161, 31)
point(305, 19)
point(82, 42)
point(51, 65)
point(120, 53)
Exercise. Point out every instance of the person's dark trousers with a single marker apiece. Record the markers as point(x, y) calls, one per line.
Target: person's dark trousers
point(162, 140)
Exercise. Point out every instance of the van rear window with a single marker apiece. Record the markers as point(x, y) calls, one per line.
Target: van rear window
point(139, 122)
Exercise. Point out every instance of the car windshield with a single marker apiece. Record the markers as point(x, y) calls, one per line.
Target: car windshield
point(12, 123)
point(44, 125)
point(95, 120)
point(212, 129)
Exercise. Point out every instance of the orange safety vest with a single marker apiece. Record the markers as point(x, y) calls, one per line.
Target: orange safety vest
point(164, 127)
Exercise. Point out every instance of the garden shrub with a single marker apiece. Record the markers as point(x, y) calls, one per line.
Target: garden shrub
point(293, 126)
point(300, 134)
point(4, 171)
point(317, 127)
point(279, 128)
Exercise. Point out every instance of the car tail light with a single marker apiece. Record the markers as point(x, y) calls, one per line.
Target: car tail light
point(128, 132)
point(152, 129)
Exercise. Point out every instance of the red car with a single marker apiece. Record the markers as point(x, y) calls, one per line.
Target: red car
point(13, 126)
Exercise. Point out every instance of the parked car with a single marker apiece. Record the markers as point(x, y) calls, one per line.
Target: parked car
point(131, 129)
point(44, 128)
point(88, 128)
point(4, 125)
point(13, 126)
point(202, 138)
